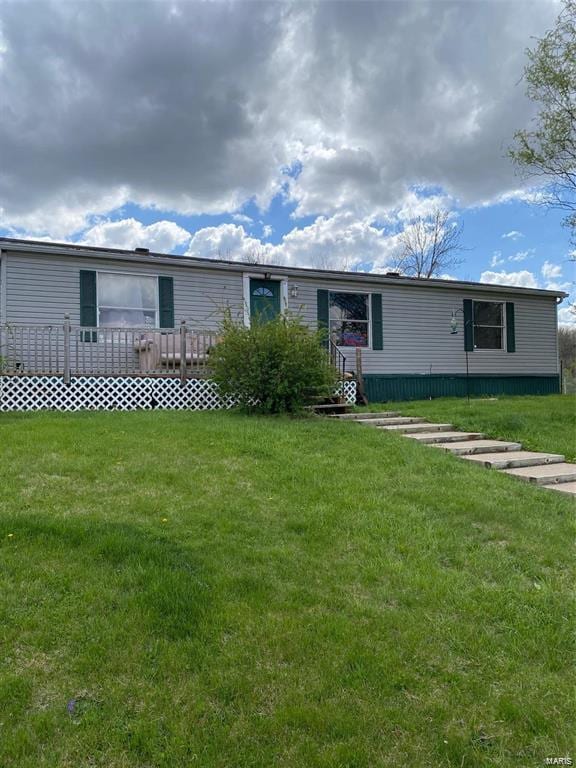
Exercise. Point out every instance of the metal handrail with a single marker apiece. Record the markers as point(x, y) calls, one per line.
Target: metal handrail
point(337, 360)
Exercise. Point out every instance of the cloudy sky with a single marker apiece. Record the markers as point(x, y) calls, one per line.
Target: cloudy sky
point(307, 133)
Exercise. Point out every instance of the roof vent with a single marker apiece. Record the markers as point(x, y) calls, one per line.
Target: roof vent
point(141, 250)
point(392, 274)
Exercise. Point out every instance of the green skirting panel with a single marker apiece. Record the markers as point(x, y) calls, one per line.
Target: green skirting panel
point(380, 387)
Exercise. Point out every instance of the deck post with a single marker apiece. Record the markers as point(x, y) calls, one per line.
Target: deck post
point(183, 352)
point(66, 349)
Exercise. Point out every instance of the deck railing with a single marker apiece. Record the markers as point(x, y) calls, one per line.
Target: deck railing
point(70, 350)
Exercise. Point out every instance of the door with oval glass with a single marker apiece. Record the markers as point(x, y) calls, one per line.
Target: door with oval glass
point(264, 299)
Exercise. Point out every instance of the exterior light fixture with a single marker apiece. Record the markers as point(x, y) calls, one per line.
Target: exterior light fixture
point(453, 324)
point(293, 291)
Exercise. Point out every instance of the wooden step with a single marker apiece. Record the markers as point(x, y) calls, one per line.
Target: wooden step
point(331, 408)
point(416, 427)
point(545, 474)
point(445, 437)
point(391, 421)
point(511, 459)
point(361, 416)
point(472, 447)
point(563, 487)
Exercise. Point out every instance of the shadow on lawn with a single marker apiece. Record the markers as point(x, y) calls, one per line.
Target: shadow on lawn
point(151, 574)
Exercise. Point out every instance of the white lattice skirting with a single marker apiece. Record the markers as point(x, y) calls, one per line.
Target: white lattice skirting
point(119, 393)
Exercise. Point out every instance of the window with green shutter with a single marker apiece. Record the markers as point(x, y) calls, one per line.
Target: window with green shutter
point(510, 327)
point(166, 301)
point(377, 334)
point(323, 312)
point(88, 304)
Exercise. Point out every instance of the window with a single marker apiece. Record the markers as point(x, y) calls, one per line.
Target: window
point(127, 301)
point(488, 325)
point(263, 292)
point(349, 319)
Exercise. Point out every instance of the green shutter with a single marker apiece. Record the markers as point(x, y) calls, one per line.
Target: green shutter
point(166, 301)
point(323, 310)
point(88, 303)
point(510, 328)
point(468, 325)
point(377, 340)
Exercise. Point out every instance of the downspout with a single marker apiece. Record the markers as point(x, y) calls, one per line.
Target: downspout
point(558, 364)
point(3, 286)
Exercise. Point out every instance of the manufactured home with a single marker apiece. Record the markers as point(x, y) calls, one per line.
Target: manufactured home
point(77, 312)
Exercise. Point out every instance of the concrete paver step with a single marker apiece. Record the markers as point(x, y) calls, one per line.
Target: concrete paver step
point(510, 459)
point(383, 422)
point(545, 474)
point(564, 487)
point(472, 447)
point(445, 437)
point(363, 416)
point(547, 470)
point(417, 427)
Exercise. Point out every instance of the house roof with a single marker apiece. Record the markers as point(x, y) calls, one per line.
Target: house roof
point(142, 256)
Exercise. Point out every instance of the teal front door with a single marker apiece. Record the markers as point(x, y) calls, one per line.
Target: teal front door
point(264, 299)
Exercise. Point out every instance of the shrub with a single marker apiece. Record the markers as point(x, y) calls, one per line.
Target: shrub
point(274, 367)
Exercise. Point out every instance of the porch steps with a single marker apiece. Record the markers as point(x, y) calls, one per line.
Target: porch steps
point(332, 408)
point(546, 470)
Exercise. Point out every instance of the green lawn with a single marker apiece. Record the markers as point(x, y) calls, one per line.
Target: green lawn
point(540, 423)
point(211, 589)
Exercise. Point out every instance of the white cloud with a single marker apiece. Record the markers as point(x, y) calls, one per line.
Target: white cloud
point(567, 316)
point(267, 230)
point(241, 218)
point(230, 242)
point(513, 235)
point(550, 270)
point(199, 108)
point(522, 279)
point(522, 255)
point(496, 259)
point(162, 236)
point(556, 286)
point(338, 242)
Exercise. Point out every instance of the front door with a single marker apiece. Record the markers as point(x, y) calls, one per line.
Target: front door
point(264, 299)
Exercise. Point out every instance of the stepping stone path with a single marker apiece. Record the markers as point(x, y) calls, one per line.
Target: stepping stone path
point(548, 470)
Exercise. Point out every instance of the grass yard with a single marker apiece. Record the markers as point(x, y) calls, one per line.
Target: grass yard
point(540, 423)
point(211, 589)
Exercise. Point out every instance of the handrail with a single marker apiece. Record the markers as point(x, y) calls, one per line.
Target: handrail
point(337, 359)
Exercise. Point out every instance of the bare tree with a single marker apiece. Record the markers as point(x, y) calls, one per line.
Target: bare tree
point(429, 246)
point(255, 256)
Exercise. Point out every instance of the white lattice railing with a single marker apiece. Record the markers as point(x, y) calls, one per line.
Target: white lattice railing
point(122, 393)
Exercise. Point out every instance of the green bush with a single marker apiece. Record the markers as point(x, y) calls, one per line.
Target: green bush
point(274, 367)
